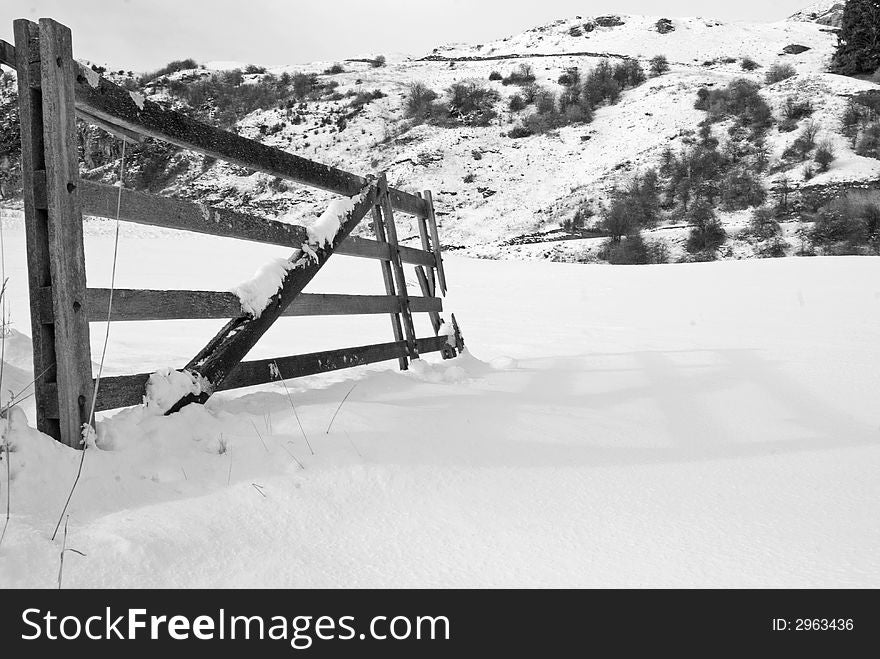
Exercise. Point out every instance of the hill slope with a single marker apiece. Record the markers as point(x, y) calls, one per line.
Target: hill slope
point(497, 195)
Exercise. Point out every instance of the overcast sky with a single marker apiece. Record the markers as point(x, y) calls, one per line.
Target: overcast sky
point(144, 34)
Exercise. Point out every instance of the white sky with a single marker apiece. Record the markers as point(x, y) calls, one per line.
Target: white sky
point(144, 34)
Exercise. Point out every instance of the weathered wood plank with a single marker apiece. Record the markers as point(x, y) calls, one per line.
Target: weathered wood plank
point(435, 239)
point(221, 355)
point(143, 305)
point(66, 254)
point(99, 199)
point(258, 371)
point(116, 106)
point(427, 287)
point(388, 279)
point(126, 390)
point(371, 249)
point(7, 54)
point(36, 218)
point(426, 247)
point(118, 131)
point(397, 267)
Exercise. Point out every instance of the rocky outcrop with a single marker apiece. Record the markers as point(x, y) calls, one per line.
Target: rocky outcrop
point(825, 12)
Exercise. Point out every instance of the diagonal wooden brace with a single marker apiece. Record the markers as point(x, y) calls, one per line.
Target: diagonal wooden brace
point(216, 361)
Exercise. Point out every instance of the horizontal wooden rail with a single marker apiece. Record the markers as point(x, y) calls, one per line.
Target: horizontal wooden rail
point(127, 390)
point(140, 305)
point(100, 200)
point(259, 371)
point(7, 54)
point(129, 111)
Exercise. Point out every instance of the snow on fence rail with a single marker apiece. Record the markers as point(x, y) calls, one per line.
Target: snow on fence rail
point(53, 89)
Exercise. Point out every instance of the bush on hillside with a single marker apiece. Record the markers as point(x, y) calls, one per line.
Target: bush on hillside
point(741, 189)
point(362, 98)
point(522, 75)
point(763, 224)
point(848, 225)
point(471, 103)
point(171, 67)
point(223, 99)
point(570, 77)
point(633, 250)
point(868, 143)
point(740, 99)
point(779, 72)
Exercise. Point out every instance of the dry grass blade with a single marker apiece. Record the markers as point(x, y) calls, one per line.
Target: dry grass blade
point(342, 402)
point(8, 493)
point(64, 550)
point(256, 430)
point(277, 373)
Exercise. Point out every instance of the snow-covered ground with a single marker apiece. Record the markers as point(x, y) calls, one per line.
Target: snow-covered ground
point(686, 425)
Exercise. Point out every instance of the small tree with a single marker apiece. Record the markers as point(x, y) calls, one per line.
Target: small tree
point(378, 61)
point(868, 144)
point(629, 73)
point(621, 217)
point(763, 224)
point(420, 101)
point(522, 75)
point(824, 155)
point(707, 234)
point(659, 65)
point(850, 121)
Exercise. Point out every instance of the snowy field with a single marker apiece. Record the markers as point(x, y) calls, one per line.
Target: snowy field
point(686, 425)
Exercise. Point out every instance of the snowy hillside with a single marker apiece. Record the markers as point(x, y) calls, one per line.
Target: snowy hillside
point(531, 185)
point(708, 424)
point(499, 196)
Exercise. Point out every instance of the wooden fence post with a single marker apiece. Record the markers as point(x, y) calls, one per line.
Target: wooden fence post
point(53, 223)
point(27, 56)
point(426, 245)
point(67, 263)
point(397, 267)
point(435, 239)
point(388, 278)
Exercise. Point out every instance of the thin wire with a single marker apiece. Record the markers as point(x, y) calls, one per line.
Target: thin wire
point(91, 421)
point(112, 283)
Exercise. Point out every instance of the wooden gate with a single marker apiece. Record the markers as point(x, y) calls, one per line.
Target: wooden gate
point(53, 90)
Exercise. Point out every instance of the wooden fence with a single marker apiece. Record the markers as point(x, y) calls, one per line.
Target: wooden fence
point(53, 90)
